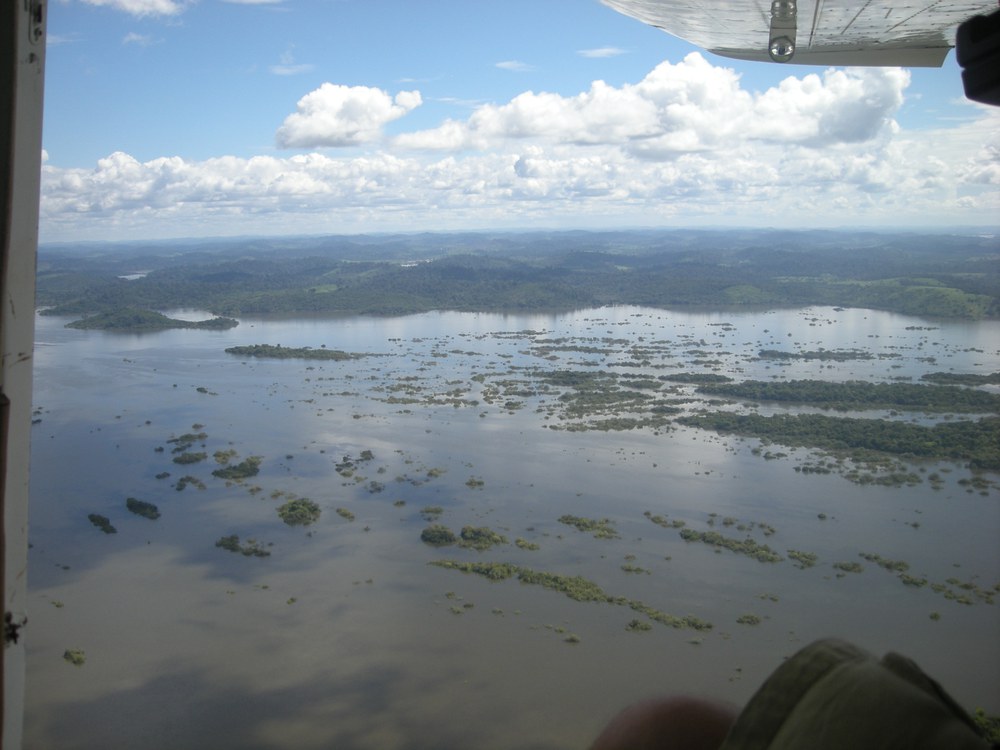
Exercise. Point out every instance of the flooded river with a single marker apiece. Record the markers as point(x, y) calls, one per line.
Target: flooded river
point(344, 636)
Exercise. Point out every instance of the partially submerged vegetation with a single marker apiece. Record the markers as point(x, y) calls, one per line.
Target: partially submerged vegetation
point(577, 588)
point(299, 512)
point(250, 548)
point(603, 528)
point(747, 546)
point(245, 469)
point(75, 656)
point(607, 382)
point(438, 536)
point(480, 538)
point(102, 522)
point(190, 458)
point(856, 394)
point(142, 508)
point(974, 441)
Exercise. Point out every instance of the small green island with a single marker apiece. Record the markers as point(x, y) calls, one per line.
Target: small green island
point(137, 320)
point(102, 522)
point(250, 548)
point(75, 656)
point(142, 508)
point(277, 351)
point(299, 512)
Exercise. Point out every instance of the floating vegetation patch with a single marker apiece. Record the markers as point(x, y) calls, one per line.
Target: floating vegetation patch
point(480, 538)
point(673, 621)
point(577, 588)
point(888, 479)
point(102, 522)
point(431, 512)
point(954, 589)
point(438, 536)
point(849, 567)
point(989, 725)
point(629, 568)
point(184, 481)
point(245, 469)
point(299, 512)
point(75, 656)
point(638, 626)
point(185, 441)
point(345, 513)
point(749, 619)
point(968, 591)
point(664, 522)
point(897, 566)
point(141, 508)
point(728, 521)
point(802, 559)
point(525, 544)
point(190, 458)
point(250, 548)
point(601, 529)
point(747, 546)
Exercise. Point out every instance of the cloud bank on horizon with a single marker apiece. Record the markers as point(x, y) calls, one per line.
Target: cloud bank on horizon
point(688, 144)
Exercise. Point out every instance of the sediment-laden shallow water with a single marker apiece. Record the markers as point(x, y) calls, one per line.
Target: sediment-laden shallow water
point(344, 636)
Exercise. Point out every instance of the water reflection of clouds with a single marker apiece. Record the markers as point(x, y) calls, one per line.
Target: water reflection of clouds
point(348, 656)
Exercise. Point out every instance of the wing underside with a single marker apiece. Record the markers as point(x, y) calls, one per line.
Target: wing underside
point(825, 32)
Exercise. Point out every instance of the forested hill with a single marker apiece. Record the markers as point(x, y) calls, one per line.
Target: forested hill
point(933, 275)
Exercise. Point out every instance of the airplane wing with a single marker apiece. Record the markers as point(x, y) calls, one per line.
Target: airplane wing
point(911, 33)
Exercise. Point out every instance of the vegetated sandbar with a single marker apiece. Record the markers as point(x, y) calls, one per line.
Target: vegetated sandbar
point(136, 320)
point(277, 351)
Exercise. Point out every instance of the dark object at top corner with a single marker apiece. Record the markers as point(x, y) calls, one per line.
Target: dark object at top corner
point(977, 47)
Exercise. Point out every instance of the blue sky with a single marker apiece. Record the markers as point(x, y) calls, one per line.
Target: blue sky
point(166, 118)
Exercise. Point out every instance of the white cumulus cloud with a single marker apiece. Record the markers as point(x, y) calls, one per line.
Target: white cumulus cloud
point(844, 106)
point(335, 115)
point(684, 107)
point(688, 144)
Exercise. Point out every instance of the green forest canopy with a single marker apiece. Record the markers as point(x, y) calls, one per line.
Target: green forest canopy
point(953, 276)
